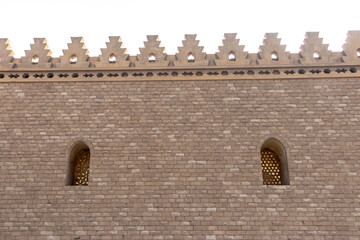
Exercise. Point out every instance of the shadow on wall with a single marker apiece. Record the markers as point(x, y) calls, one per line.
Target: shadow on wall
point(274, 163)
point(78, 165)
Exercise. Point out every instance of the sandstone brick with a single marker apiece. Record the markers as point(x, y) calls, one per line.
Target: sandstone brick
point(180, 159)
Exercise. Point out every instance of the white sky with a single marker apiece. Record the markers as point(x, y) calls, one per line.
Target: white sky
point(57, 21)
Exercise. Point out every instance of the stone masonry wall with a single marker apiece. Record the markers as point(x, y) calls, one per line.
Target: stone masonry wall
point(180, 159)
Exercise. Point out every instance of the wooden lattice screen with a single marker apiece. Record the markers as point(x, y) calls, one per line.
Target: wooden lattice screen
point(82, 167)
point(270, 168)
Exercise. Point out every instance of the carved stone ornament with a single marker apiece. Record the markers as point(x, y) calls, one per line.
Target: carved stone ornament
point(39, 56)
point(6, 54)
point(191, 54)
point(113, 56)
point(313, 51)
point(152, 55)
point(272, 52)
point(76, 56)
point(351, 49)
point(231, 53)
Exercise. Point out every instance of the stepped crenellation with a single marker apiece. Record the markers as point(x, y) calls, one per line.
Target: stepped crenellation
point(152, 54)
point(114, 55)
point(232, 49)
point(272, 51)
point(191, 54)
point(76, 56)
point(314, 50)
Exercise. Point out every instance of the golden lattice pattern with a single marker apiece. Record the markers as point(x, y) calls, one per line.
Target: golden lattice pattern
point(270, 167)
point(82, 167)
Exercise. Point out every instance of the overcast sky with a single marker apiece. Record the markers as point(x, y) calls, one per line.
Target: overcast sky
point(57, 21)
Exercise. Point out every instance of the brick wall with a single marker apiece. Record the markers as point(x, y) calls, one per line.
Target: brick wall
point(180, 159)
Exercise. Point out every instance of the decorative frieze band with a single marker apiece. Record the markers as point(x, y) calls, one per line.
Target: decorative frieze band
point(208, 73)
point(190, 56)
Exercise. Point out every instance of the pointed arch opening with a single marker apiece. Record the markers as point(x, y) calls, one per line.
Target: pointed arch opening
point(152, 57)
point(274, 56)
point(78, 165)
point(232, 56)
point(73, 59)
point(35, 59)
point(316, 55)
point(191, 57)
point(274, 163)
point(112, 58)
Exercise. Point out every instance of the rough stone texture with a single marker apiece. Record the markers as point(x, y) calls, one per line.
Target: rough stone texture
point(180, 159)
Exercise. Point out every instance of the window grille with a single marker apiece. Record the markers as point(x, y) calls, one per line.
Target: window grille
point(82, 167)
point(270, 168)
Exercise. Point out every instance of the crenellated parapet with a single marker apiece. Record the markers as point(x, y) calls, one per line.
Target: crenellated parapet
point(152, 55)
point(76, 56)
point(272, 58)
point(231, 53)
point(313, 51)
point(6, 55)
point(114, 55)
point(351, 49)
point(272, 52)
point(191, 54)
point(38, 57)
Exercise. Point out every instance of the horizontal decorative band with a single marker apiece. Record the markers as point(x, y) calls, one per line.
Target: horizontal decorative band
point(184, 74)
point(152, 56)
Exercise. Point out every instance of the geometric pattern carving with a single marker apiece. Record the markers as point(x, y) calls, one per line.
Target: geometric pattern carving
point(313, 46)
point(231, 46)
point(271, 52)
point(152, 48)
point(40, 50)
point(82, 167)
point(6, 54)
point(351, 48)
point(270, 168)
point(113, 48)
point(75, 49)
point(191, 47)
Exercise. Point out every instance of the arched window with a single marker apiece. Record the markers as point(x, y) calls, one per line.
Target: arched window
point(274, 163)
point(79, 165)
